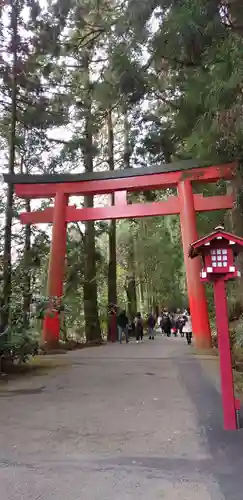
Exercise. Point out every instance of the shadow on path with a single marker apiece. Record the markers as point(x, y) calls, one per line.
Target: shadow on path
point(226, 447)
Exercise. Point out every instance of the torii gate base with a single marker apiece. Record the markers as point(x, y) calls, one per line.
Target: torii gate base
point(180, 175)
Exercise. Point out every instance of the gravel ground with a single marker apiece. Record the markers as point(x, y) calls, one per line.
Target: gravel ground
point(119, 422)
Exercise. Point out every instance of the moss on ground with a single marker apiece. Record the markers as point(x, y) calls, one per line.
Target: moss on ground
point(39, 365)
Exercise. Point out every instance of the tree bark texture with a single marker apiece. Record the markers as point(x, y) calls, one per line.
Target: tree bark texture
point(92, 323)
point(112, 274)
point(27, 270)
point(7, 263)
point(131, 274)
point(131, 281)
point(235, 219)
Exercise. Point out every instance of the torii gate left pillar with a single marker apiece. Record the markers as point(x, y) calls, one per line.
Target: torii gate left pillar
point(51, 324)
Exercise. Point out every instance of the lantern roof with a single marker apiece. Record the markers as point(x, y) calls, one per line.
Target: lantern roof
point(199, 246)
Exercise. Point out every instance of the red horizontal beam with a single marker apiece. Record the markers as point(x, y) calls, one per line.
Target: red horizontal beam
point(168, 207)
point(73, 214)
point(145, 182)
point(210, 203)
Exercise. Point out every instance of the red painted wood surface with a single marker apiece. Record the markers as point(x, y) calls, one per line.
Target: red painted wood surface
point(227, 384)
point(196, 290)
point(145, 182)
point(51, 328)
point(224, 236)
point(122, 211)
point(186, 205)
point(56, 265)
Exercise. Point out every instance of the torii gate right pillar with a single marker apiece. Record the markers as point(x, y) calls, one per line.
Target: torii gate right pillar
point(195, 288)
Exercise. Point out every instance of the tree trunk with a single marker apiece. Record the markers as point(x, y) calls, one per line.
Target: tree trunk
point(131, 297)
point(235, 220)
point(127, 148)
point(27, 270)
point(92, 323)
point(7, 263)
point(112, 276)
point(131, 281)
point(26, 285)
point(141, 288)
point(131, 274)
point(112, 287)
point(139, 270)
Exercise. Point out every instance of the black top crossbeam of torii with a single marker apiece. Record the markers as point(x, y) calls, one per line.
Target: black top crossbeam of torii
point(103, 175)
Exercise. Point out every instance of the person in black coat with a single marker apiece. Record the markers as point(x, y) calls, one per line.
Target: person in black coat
point(166, 324)
point(122, 323)
point(139, 327)
point(151, 325)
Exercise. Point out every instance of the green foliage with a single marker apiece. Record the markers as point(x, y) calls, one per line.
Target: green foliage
point(158, 261)
point(17, 343)
point(14, 347)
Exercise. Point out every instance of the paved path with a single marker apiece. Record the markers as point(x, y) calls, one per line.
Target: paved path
point(121, 422)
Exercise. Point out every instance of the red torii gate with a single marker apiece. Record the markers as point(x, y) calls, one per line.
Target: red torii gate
point(180, 175)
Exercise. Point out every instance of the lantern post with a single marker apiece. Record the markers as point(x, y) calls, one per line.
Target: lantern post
point(218, 251)
point(227, 382)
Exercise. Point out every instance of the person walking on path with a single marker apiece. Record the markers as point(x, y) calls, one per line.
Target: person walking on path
point(174, 324)
point(166, 324)
point(187, 328)
point(139, 327)
point(181, 323)
point(151, 325)
point(159, 319)
point(131, 328)
point(122, 323)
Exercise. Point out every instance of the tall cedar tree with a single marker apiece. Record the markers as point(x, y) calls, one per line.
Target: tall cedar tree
point(92, 324)
point(33, 42)
point(13, 50)
point(112, 274)
point(131, 272)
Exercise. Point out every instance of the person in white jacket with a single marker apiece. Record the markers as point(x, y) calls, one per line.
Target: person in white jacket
point(187, 328)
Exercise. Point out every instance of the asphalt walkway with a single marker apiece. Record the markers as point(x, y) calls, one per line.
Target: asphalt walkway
point(119, 422)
